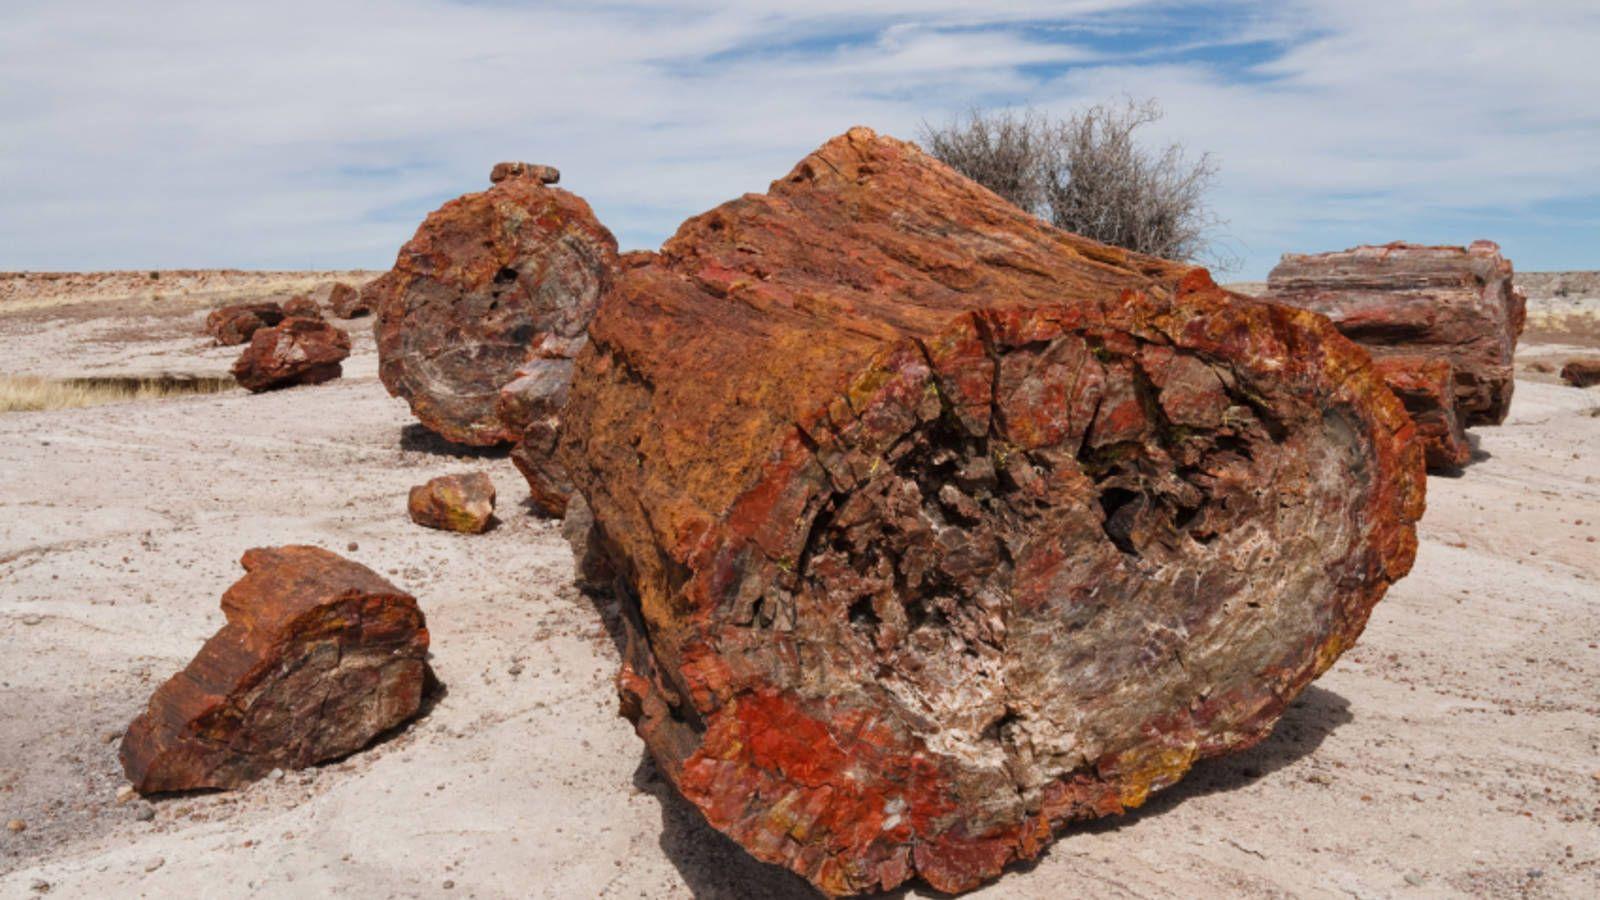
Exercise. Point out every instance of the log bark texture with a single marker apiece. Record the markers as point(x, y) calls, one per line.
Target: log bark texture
point(937, 527)
point(319, 656)
point(1455, 302)
point(487, 279)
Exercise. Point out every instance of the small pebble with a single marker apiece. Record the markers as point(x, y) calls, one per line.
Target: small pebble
point(110, 737)
point(16, 825)
point(40, 886)
point(155, 864)
point(32, 620)
point(1413, 879)
point(352, 547)
point(276, 774)
point(448, 884)
point(126, 793)
point(145, 813)
point(516, 669)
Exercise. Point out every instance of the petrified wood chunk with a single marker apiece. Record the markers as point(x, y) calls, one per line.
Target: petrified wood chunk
point(943, 527)
point(319, 656)
point(1458, 302)
point(1581, 372)
point(462, 503)
point(486, 280)
point(530, 406)
point(1426, 387)
point(302, 307)
point(346, 302)
point(231, 325)
point(297, 351)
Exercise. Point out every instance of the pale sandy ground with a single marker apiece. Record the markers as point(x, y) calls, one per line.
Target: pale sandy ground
point(1455, 751)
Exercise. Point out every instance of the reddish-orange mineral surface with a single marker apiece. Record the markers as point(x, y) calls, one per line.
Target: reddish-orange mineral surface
point(463, 503)
point(1425, 385)
point(937, 527)
point(231, 325)
point(319, 656)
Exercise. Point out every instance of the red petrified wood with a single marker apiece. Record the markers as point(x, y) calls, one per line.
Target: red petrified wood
point(937, 527)
point(1426, 387)
point(487, 280)
point(298, 351)
point(319, 656)
point(1454, 302)
point(346, 302)
point(1581, 372)
point(231, 325)
point(463, 503)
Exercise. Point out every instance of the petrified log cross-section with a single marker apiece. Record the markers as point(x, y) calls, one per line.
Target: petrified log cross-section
point(939, 527)
point(488, 280)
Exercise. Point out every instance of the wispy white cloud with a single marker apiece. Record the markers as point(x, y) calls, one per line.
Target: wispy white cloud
point(306, 133)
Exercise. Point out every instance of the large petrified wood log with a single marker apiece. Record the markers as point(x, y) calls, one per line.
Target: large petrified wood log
point(319, 656)
point(938, 527)
point(1457, 302)
point(487, 279)
point(1426, 387)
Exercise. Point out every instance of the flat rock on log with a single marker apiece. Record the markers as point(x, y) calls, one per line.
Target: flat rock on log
point(319, 656)
point(1456, 302)
point(487, 279)
point(297, 351)
point(938, 527)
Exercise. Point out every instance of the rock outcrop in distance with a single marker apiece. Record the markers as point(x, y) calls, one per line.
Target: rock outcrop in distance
point(937, 527)
point(296, 351)
point(1457, 304)
point(319, 656)
point(493, 282)
point(463, 503)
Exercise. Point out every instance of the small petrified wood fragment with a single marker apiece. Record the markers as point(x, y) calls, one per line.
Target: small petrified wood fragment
point(296, 351)
point(301, 307)
point(1456, 302)
point(940, 527)
point(346, 302)
point(232, 325)
point(319, 656)
point(1581, 372)
point(1426, 387)
point(487, 279)
point(463, 503)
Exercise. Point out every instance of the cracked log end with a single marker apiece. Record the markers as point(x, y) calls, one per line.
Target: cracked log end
point(487, 280)
point(939, 528)
point(319, 656)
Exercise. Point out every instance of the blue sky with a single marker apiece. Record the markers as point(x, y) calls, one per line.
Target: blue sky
point(302, 134)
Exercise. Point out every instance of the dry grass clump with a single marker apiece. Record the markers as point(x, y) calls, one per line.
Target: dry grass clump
point(1088, 174)
point(28, 393)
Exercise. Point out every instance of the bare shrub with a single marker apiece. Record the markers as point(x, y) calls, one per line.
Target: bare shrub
point(1088, 174)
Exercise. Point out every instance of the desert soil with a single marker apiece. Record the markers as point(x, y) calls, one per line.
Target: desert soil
point(1454, 751)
